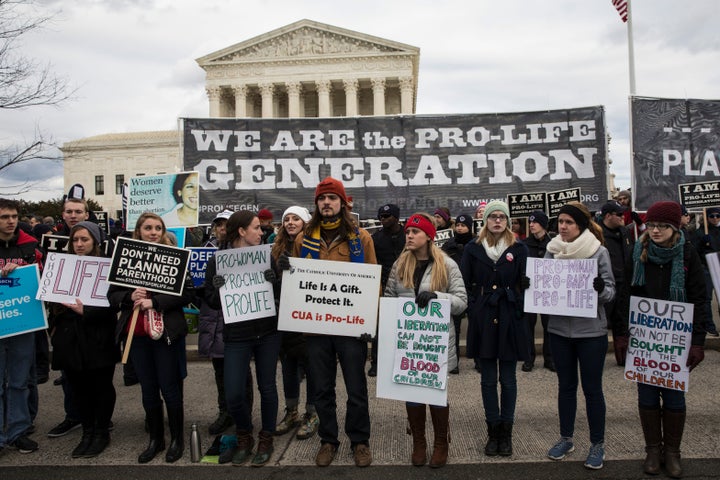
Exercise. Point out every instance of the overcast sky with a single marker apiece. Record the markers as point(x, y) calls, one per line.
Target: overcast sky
point(133, 62)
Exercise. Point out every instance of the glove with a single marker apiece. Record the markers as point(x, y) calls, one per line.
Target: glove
point(636, 218)
point(218, 281)
point(707, 240)
point(599, 284)
point(620, 344)
point(524, 282)
point(283, 262)
point(270, 275)
point(365, 337)
point(695, 356)
point(424, 298)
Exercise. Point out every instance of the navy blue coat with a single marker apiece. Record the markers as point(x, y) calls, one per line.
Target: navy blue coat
point(496, 328)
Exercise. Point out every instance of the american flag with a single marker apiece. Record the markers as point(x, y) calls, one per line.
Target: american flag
point(622, 8)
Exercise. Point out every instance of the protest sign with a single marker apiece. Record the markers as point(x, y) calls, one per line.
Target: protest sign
point(179, 233)
point(197, 267)
point(102, 220)
point(68, 277)
point(559, 198)
point(713, 263)
point(20, 312)
point(660, 339)
point(246, 294)
point(442, 236)
point(155, 267)
point(175, 197)
point(329, 297)
point(54, 243)
point(562, 287)
point(696, 196)
point(412, 356)
point(523, 204)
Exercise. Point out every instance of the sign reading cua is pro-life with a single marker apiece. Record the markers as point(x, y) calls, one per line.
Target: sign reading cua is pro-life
point(69, 277)
point(660, 339)
point(152, 266)
point(413, 353)
point(246, 295)
point(328, 297)
point(562, 287)
point(20, 312)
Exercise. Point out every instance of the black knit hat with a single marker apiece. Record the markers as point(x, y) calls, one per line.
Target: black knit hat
point(538, 216)
point(466, 220)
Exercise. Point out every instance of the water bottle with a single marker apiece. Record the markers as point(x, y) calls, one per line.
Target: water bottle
point(195, 449)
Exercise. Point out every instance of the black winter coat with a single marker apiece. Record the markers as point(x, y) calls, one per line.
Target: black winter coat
point(83, 342)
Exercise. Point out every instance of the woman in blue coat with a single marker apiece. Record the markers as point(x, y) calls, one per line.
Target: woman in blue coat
point(493, 267)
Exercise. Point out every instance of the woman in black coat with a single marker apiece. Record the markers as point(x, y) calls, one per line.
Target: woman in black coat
point(84, 347)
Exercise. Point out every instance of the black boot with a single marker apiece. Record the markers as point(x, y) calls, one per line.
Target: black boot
point(100, 441)
point(85, 441)
point(177, 445)
point(505, 439)
point(156, 429)
point(491, 447)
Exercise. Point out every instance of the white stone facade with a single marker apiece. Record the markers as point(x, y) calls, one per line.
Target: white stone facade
point(306, 69)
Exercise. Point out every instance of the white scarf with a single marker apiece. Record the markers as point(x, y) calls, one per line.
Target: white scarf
point(494, 252)
point(583, 246)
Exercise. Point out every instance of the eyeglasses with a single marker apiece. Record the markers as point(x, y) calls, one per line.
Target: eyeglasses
point(497, 218)
point(714, 215)
point(660, 226)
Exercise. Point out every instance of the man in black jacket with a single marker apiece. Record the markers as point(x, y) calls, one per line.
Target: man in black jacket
point(708, 243)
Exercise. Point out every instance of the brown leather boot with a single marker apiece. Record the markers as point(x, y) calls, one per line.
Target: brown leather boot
point(264, 450)
point(651, 421)
point(416, 419)
point(441, 427)
point(673, 426)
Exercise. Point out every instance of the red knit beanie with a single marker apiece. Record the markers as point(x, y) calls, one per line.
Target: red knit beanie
point(265, 214)
point(330, 185)
point(423, 223)
point(664, 212)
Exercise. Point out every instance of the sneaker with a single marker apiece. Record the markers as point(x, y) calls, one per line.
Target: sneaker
point(595, 457)
point(561, 448)
point(289, 421)
point(63, 428)
point(712, 331)
point(362, 455)
point(24, 445)
point(308, 426)
point(325, 455)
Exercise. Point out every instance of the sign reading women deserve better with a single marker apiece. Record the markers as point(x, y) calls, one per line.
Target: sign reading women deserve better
point(246, 294)
point(562, 287)
point(68, 277)
point(20, 312)
point(660, 339)
point(329, 297)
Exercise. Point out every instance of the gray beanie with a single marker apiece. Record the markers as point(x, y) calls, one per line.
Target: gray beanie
point(92, 228)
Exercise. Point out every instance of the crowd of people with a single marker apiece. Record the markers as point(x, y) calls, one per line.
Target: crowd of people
point(481, 270)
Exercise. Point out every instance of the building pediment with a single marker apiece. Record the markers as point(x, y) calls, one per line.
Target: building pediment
point(306, 39)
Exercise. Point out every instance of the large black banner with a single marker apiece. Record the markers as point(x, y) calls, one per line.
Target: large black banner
point(675, 141)
point(417, 162)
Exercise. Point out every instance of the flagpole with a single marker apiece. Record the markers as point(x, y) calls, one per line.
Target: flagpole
point(631, 51)
point(631, 68)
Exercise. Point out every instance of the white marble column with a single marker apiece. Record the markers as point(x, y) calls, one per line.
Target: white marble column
point(240, 100)
point(293, 91)
point(266, 92)
point(323, 90)
point(378, 88)
point(351, 97)
point(213, 94)
point(406, 95)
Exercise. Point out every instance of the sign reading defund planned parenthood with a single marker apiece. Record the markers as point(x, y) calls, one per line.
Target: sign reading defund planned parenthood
point(562, 287)
point(660, 339)
point(155, 267)
point(68, 277)
point(328, 297)
point(246, 295)
point(20, 312)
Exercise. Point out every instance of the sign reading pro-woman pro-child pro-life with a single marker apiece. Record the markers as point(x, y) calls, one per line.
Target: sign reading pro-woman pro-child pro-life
point(329, 297)
point(562, 287)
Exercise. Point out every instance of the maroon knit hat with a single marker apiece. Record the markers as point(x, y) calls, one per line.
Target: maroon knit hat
point(331, 185)
point(664, 212)
point(265, 214)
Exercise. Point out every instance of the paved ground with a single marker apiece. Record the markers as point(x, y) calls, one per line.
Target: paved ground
point(536, 430)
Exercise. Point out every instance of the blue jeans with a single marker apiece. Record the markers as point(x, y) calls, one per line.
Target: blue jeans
point(649, 398)
point(237, 361)
point(291, 368)
point(502, 410)
point(17, 357)
point(324, 353)
point(159, 369)
point(589, 354)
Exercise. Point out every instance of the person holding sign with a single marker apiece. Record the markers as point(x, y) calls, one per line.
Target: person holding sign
point(707, 241)
point(159, 363)
point(665, 266)
point(580, 341)
point(84, 348)
point(493, 266)
point(245, 339)
point(424, 272)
